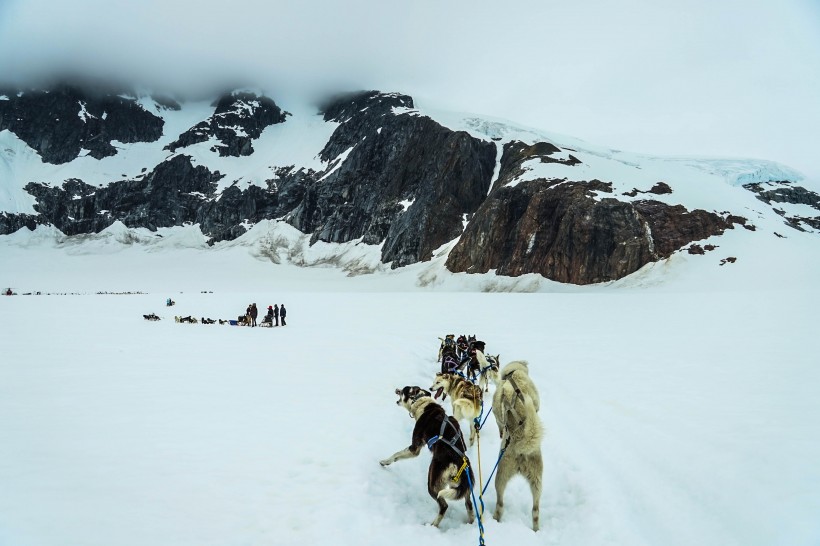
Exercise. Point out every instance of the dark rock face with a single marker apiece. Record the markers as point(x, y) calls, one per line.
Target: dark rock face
point(239, 118)
point(379, 160)
point(9, 223)
point(393, 178)
point(660, 188)
point(58, 124)
point(516, 153)
point(558, 229)
point(785, 192)
point(170, 195)
point(673, 227)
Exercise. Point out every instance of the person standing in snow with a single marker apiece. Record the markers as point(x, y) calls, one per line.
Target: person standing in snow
point(276, 313)
point(254, 314)
point(283, 313)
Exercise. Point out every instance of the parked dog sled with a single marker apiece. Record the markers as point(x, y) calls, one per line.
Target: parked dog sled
point(189, 319)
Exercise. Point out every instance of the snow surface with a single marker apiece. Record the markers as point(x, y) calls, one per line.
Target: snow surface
point(681, 403)
point(672, 418)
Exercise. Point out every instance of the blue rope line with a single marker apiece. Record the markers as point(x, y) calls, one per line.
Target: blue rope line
point(487, 417)
point(476, 510)
point(486, 485)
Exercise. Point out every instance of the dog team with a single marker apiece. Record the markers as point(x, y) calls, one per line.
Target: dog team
point(274, 315)
point(464, 377)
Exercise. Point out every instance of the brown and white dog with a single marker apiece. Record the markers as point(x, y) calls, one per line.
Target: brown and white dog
point(445, 477)
point(515, 406)
point(464, 396)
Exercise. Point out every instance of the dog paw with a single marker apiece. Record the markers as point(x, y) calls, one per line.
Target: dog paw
point(385, 462)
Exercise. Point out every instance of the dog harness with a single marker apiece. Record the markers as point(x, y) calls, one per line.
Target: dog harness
point(450, 363)
point(440, 437)
point(519, 394)
point(452, 443)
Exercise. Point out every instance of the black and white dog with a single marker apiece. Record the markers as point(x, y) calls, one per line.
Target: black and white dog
point(445, 477)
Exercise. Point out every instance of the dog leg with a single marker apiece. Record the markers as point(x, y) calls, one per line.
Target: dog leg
point(406, 453)
point(442, 508)
point(469, 504)
point(505, 472)
point(533, 476)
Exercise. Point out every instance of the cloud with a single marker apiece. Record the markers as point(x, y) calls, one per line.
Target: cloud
point(736, 78)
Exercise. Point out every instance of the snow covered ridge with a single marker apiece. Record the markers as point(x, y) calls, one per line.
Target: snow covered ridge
point(376, 170)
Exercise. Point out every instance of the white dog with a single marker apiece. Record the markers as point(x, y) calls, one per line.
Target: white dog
point(515, 406)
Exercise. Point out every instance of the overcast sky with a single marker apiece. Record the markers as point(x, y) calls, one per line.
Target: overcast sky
point(734, 78)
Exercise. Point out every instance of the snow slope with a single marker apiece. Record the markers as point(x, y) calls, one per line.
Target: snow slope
point(710, 184)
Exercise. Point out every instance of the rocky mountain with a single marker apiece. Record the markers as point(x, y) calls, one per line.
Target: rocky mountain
point(373, 169)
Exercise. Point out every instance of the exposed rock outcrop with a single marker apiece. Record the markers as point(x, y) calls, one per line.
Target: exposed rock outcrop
point(560, 230)
point(390, 177)
point(786, 192)
point(170, 195)
point(394, 177)
point(61, 123)
point(239, 118)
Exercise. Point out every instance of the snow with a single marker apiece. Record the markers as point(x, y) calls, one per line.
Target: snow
point(337, 163)
point(681, 403)
point(294, 143)
point(696, 426)
point(84, 114)
point(697, 183)
point(797, 209)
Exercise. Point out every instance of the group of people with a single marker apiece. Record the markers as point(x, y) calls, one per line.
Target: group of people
point(275, 312)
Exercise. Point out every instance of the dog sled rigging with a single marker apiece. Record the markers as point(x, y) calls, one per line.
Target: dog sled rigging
point(515, 406)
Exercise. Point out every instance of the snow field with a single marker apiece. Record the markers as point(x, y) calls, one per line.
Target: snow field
point(673, 418)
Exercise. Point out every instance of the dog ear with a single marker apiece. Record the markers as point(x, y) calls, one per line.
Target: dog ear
point(398, 391)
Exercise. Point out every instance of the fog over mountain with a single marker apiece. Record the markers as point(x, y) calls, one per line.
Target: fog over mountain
point(734, 79)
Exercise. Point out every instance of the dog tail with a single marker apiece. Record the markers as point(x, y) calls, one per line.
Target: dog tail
point(455, 489)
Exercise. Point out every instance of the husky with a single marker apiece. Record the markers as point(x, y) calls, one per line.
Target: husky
point(152, 316)
point(465, 397)
point(515, 406)
point(448, 343)
point(445, 477)
point(487, 369)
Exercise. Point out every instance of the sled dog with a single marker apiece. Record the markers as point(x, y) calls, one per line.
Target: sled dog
point(448, 342)
point(487, 369)
point(465, 397)
point(446, 476)
point(515, 406)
